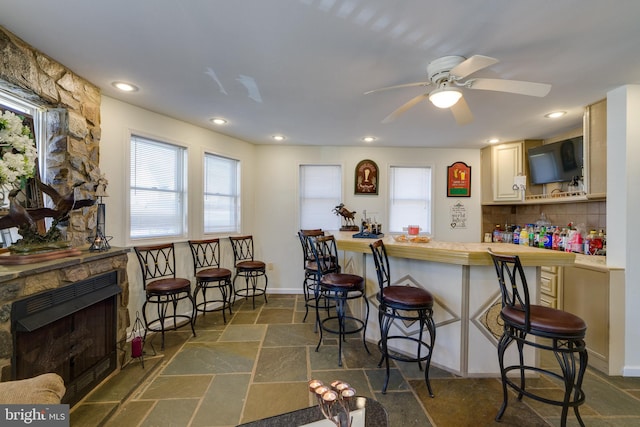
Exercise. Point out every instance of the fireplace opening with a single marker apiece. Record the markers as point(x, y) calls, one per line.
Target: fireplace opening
point(70, 331)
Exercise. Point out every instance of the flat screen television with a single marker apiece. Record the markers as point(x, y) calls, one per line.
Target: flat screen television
point(556, 162)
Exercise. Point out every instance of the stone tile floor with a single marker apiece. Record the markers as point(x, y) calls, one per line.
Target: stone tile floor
point(258, 365)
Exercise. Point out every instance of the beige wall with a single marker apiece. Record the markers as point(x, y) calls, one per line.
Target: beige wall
point(269, 188)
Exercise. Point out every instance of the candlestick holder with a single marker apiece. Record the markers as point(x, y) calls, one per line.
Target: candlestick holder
point(100, 242)
point(333, 400)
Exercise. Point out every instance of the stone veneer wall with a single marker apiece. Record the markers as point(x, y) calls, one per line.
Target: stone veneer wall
point(69, 272)
point(72, 107)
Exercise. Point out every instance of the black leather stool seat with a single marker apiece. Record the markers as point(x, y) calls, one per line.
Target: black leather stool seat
point(407, 297)
point(547, 320)
point(251, 265)
point(168, 286)
point(213, 274)
point(342, 281)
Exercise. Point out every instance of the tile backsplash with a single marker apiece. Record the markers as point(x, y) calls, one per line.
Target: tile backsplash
point(592, 214)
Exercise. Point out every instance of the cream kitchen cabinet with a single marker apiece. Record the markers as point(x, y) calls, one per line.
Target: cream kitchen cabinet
point(500, 164)
point(596, 294)
point(595, 158)
point(551, 292)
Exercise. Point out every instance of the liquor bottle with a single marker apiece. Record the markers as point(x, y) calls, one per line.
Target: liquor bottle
point(516, 236)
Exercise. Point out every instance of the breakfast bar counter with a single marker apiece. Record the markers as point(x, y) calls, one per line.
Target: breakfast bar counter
point(463, 281)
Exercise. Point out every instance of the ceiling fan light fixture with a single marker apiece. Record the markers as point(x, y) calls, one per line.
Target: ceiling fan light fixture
point(445, 97)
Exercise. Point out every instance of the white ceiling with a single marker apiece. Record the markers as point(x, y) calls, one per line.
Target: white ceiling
point(300, 67)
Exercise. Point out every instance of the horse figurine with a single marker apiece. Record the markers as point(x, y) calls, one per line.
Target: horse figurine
point(348, 216)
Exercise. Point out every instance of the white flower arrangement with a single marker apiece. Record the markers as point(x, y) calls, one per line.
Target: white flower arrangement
point(17, 150)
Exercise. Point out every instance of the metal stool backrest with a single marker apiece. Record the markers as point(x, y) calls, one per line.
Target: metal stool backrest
point(325, 253)
point(206, 253)
point(156, 262)
point(382, 264)
point(242, 248)
point(513, 284)
point(307, 250)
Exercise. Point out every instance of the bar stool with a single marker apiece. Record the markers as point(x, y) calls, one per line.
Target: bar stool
point(163, 288)
point(209, 276)
point(338, 288)
point(310, 282)
point(543, 328)
point(252, 270)
point(407, 304)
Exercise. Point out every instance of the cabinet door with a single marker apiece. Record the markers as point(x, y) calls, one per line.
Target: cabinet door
point(586, 294)
point(596, 153)
point(506, 164)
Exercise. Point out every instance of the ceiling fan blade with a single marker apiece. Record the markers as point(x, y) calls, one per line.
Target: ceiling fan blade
point(461, 112)
point(510, 86)
point(471, 65)
point(413, 101)
point(399, 86)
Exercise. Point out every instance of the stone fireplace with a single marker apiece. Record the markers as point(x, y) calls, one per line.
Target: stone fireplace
point(71, 108)
point(67, 316)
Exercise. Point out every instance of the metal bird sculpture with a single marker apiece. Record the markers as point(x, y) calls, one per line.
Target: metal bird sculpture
point(18, 216)
point(64, 203)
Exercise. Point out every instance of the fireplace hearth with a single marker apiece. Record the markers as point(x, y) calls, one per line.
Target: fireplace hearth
point(70, 331)
point(67, 316)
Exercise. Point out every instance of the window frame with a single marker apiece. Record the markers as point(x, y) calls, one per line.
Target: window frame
point(300, 195)
point(237, 196)
point(431, 206)
point(182, 177)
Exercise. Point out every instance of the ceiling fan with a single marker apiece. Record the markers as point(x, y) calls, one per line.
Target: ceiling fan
point(447, 75)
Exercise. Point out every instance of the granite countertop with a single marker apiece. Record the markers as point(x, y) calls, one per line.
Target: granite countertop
point(456, 253)
point(11, 272)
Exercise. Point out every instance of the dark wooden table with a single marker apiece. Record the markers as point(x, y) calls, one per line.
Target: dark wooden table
point(375, 415)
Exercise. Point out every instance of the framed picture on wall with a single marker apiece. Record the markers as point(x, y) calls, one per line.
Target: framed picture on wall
point(459, 180)
point(366, 177)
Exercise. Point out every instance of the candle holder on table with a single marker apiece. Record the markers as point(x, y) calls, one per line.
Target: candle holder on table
point(333, 400)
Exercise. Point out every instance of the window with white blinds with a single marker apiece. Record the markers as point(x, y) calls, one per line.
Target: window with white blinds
point(409, 198)
point(320, 193)
point(157, 199)
point(221, 194)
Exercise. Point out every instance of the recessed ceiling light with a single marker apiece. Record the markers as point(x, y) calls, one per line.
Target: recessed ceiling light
point(493, 140)
point(125, 87)
point(369, 138)
point(278, 137)
point(218, 121)
point(555, 114)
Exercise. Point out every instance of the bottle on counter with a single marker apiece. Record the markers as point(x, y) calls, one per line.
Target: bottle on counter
point(586, 244)
point(555, 239)
point(524, 236)
point(516, 235)
point(497, 234)
point(563, 240)
point(548, 239)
